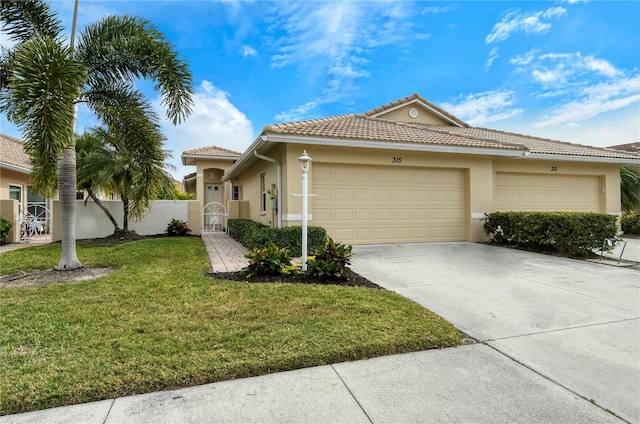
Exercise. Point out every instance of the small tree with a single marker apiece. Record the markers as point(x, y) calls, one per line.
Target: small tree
point(107, 161)
point(629, 188)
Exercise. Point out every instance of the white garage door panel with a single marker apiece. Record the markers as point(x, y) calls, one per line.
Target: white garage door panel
point(366, 204)
point(525, 192)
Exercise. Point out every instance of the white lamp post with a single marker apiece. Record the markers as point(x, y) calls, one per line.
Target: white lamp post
point(305, 162)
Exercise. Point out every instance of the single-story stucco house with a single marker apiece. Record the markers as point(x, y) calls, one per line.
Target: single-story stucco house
point(407, 171)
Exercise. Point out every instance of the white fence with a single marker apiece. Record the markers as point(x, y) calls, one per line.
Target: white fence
point(92, 222)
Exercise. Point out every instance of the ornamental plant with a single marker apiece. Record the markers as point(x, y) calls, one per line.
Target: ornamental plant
point(329, 262)
point(177, 228)
point(269, 260)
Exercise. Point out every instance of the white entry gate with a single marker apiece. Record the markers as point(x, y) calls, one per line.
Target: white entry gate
point(214, 218)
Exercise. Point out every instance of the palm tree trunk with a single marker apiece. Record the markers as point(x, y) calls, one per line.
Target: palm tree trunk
point(104, 208)
point(67, 193)
point(125, 207)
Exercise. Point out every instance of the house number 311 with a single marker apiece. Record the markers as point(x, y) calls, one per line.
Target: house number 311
point(397, 160)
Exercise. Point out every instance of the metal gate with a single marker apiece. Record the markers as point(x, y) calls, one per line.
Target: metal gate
point(214, 218)
point(35, 221)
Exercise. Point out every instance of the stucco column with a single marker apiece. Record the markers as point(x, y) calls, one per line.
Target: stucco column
point(479, 198)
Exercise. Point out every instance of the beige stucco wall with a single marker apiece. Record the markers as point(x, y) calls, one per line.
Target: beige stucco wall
point(9, 211)
point(14, 178)
point(250, 183)
point(479, 176)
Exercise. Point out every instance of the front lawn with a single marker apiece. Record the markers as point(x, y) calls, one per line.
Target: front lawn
point(158, 322)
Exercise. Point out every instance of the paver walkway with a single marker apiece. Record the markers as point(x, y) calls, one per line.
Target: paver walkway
point(225, 254)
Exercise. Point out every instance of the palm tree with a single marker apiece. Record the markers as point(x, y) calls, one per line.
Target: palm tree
point(629, 188)
point(106, 162)
point(42, 80)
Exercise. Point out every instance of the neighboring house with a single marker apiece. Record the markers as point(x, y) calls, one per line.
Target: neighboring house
point(15, 184)
point(407, 171)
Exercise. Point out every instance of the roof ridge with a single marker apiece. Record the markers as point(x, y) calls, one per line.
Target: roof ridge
point(294, 124)
point(203, 148)
point(543, 138)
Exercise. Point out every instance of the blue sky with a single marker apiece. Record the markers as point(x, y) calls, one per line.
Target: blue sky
point(567, 70)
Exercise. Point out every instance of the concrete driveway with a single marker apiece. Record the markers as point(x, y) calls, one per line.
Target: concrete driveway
point(572, 322)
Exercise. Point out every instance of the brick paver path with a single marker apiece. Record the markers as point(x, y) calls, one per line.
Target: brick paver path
point(225, 254)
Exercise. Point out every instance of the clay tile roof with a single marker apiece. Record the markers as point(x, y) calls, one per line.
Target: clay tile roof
point(629, 147)
point(12, 152)
point(539, 145)
point(360, 127)
point(212, 151)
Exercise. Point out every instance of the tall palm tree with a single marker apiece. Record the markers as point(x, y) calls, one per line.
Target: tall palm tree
point(42, 80)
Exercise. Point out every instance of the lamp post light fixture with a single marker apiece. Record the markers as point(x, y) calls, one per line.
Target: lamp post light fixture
point(305, 162)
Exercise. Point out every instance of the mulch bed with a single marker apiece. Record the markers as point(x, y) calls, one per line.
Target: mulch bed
point(352, 280)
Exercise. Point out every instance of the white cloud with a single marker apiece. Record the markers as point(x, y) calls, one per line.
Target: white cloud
point(215, 121)
point(493, 55)
point(297, 114)
point(524, 59)
point(559, 69)
point(331, 43)
point(249, 51)
point(529, 24)
point(593, 101)
point(483, 108)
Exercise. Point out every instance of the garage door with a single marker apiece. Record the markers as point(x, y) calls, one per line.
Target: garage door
point(529, 192)
point(367, 204)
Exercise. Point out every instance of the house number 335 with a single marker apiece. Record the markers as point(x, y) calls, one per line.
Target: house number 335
point(397, 160)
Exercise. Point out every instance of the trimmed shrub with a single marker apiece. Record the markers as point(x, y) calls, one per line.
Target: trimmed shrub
point(5, 227)
point(330, 261)
point(630, 223)
point(177, 228)
point(572, 234)
point(252, 234)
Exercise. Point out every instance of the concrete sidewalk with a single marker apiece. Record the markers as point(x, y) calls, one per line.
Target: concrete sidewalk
point(458, 385)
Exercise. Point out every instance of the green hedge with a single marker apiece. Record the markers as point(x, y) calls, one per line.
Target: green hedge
point(572, 234)
point(630, 223)
point(252, 234)
point(5, 227)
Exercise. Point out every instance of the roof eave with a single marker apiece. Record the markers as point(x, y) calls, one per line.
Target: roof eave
point(578, 158)
point(246, 157)
point(416, 147)
point(205, 157)
point(15, 168)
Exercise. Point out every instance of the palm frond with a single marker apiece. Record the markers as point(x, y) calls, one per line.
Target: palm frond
point(40, 98)
point(23, 20)
point(122, 49)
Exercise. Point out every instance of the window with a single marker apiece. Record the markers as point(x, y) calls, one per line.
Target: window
point(237, 193)
point(263, 191)
point(15, 192)
point(79, 195)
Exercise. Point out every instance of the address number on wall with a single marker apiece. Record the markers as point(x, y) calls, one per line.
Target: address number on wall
point(396, 160)
point(554, 169)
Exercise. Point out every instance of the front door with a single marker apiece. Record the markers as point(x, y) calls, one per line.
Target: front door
point(212, 193)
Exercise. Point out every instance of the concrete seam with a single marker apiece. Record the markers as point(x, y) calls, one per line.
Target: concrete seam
point(561, 329)
point(352, 395)
point(591, 401)
point(109, 412)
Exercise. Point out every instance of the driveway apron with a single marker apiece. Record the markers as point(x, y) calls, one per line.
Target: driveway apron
point(572, 322)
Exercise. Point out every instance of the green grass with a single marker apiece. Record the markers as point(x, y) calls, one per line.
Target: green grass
point(158, 323)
